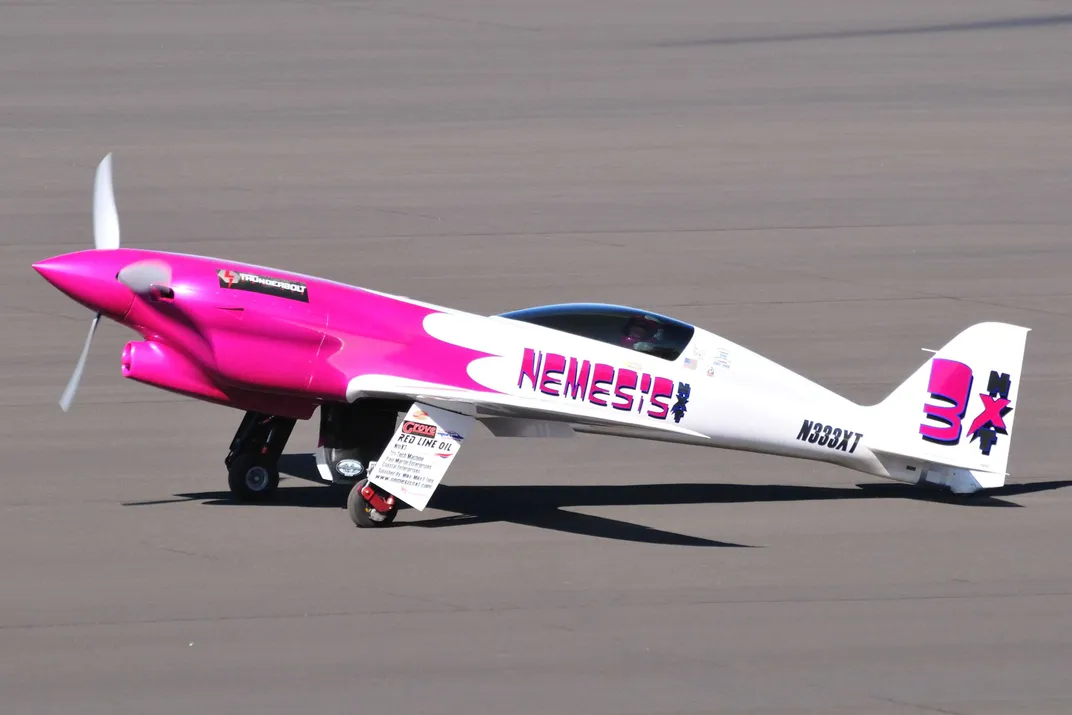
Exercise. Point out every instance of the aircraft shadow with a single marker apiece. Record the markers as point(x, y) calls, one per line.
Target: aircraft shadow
point(546, 506)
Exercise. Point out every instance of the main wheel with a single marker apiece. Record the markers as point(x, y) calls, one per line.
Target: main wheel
point(252, 477)
point(362, 513)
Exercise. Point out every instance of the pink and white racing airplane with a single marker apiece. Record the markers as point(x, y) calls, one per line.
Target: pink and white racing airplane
point(400, 383)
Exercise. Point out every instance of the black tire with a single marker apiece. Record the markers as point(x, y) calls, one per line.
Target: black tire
point(362, 513)
point(252, 477)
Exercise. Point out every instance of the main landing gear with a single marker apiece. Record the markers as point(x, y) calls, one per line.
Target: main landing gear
point(352, 438)
point(252, 463)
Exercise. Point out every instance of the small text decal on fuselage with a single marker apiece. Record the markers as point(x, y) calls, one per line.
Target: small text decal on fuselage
point(237, 280)
point(829, 436)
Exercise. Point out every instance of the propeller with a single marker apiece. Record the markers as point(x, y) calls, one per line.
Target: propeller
point(105, 215)
point(105, 236)
point(76, 377)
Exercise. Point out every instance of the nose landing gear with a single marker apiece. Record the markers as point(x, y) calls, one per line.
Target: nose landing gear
point(252, 471)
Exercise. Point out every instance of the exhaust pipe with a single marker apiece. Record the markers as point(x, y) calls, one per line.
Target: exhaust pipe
point(162, 366)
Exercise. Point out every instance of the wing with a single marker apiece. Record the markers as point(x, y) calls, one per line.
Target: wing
point(439, 418)
point(516, 415)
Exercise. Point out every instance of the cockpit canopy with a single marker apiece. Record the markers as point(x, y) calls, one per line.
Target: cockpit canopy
point(632, 328)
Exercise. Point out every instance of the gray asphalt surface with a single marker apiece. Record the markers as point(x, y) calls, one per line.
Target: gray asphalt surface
point(836, 184)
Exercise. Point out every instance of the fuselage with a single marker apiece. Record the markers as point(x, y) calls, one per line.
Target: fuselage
point(269, 340)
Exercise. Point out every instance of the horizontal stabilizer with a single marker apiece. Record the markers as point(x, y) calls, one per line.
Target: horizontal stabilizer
point(959, 479)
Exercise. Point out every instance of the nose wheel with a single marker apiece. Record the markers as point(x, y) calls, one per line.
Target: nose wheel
point(370, 507)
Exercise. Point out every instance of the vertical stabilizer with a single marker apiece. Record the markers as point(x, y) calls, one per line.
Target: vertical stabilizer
point(955, 414)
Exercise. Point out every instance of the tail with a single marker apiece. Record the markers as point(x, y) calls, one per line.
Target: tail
point(951, 422)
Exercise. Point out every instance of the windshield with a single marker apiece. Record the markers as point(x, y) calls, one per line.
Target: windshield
point(639, 330)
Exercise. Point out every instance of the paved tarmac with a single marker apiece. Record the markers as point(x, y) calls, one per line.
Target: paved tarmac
point(835, 184)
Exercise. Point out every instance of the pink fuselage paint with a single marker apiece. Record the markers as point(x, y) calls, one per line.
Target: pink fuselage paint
point(259, 338)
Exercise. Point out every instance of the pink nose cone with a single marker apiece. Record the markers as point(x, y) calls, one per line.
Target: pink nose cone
point(89, 278)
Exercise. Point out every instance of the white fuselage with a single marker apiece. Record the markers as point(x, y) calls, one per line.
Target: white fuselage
point(736, 399)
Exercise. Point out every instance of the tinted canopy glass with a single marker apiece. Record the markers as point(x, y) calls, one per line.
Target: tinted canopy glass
point(632, 328)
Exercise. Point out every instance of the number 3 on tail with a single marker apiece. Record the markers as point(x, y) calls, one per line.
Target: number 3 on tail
point(950, 382)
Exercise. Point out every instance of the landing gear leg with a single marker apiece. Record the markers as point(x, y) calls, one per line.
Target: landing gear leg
point(252, 463)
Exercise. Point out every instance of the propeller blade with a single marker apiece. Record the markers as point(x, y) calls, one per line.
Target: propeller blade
point(76, 377)
point(141, 275)
point(105, 215)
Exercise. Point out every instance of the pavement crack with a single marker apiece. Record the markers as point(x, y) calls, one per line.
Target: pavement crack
point(181, 552)
point(919, 706)
point(445, 18)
